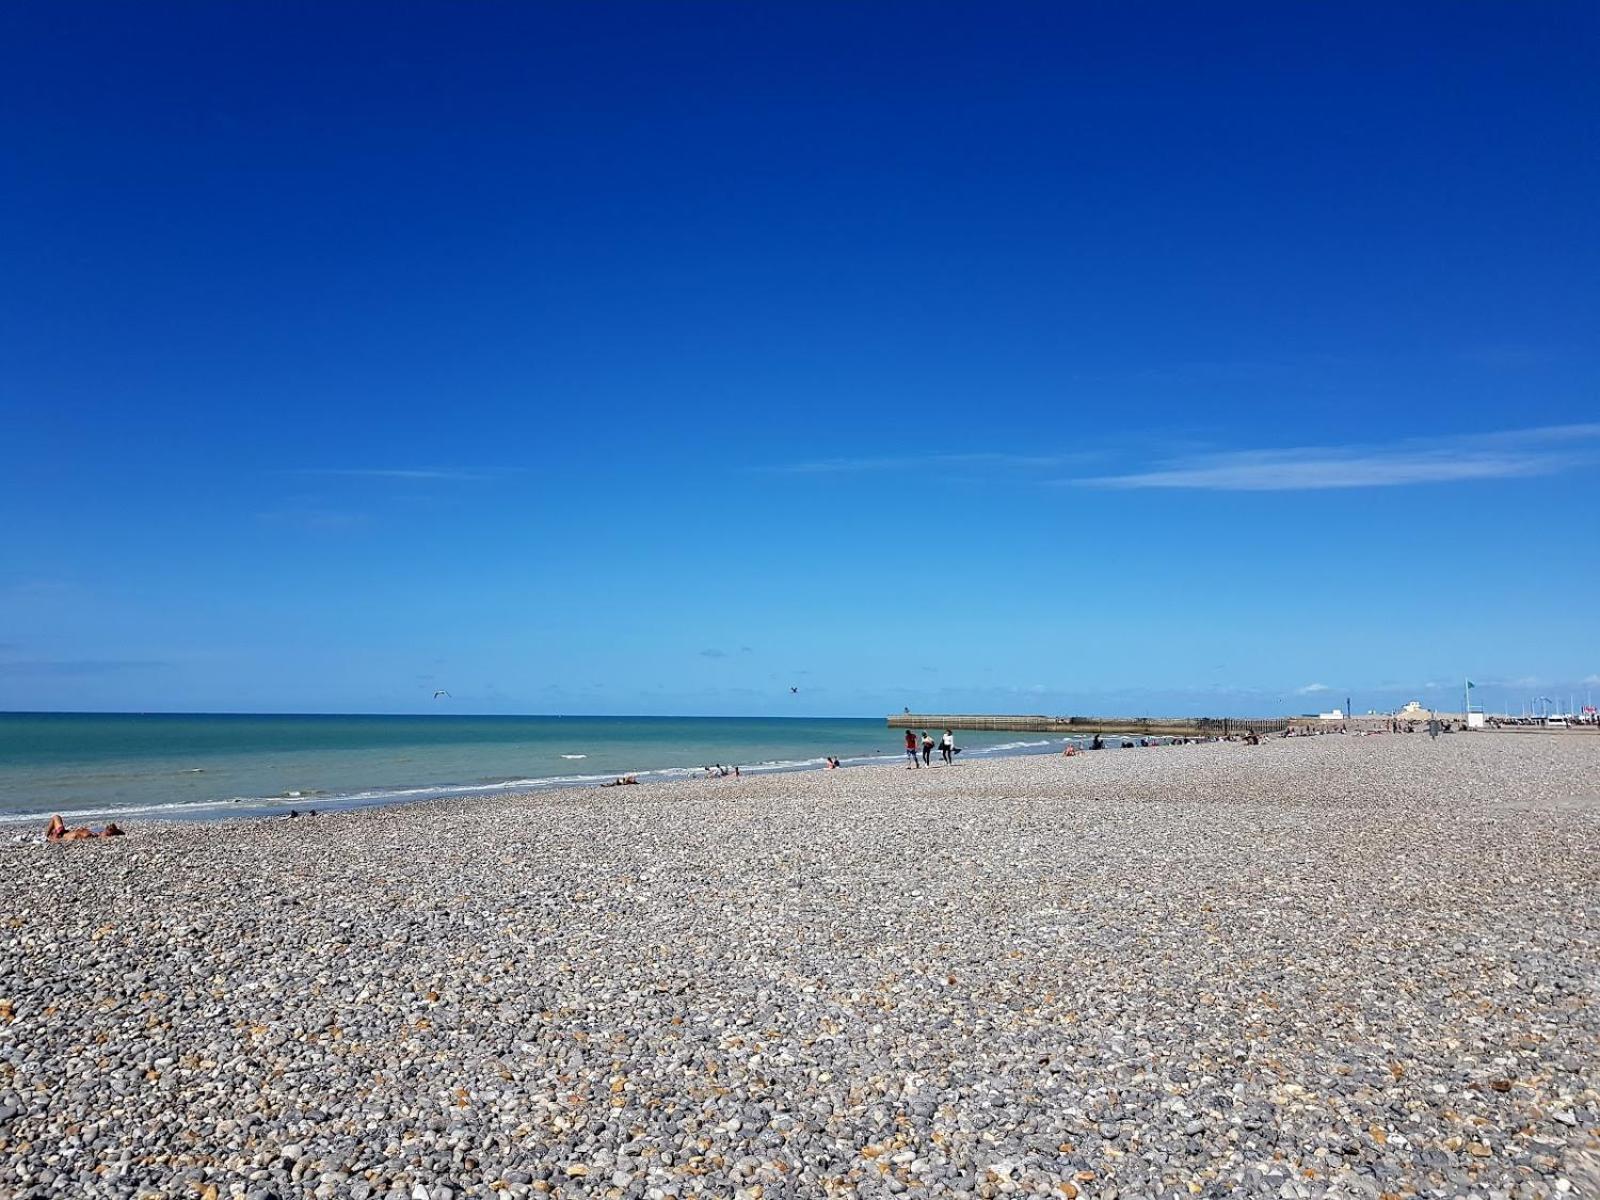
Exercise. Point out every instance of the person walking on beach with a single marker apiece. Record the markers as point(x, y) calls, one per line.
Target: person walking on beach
point(911, 750)
point(947, 748)
point(927, 748)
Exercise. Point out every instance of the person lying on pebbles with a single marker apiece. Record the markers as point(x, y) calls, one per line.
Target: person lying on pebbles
point(57, 831)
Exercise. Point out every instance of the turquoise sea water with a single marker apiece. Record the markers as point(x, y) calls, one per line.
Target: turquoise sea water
point(179, 765)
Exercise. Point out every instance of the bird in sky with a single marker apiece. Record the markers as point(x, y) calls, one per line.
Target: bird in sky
point(441, 692)
point(793, 690)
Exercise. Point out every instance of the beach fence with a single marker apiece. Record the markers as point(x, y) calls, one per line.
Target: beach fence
point(1205, 727)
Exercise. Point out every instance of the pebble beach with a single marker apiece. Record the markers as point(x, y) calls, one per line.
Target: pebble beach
point(1335, 966)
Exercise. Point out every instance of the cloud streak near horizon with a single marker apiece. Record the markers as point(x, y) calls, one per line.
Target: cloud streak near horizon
point(78, 666)
point(414, 474)
point(1511, 454)
point(1514, 454)
point(830, 466)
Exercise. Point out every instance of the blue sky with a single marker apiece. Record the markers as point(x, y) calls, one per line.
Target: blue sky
point(659, 358)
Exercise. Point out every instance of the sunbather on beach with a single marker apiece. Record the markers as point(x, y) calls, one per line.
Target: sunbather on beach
point(57, 831)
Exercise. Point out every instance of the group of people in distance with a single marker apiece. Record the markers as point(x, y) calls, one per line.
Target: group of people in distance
point(1250, 737)
point(947, 749)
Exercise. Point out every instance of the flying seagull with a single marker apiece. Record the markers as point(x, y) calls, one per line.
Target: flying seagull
point(441, 692)
point(793, 690)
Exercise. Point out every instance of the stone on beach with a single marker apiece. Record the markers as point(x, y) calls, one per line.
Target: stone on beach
point(1333, 966)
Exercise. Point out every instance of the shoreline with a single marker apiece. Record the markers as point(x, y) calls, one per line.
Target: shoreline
point(322, 805)
point(266, 807)
point(664, 782)
point(501, 798)
point(188, 775)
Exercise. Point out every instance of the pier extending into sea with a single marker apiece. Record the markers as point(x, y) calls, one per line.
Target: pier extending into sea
point(1089, 726)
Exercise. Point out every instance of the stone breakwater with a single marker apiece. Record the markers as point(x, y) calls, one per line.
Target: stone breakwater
point(1331, 966)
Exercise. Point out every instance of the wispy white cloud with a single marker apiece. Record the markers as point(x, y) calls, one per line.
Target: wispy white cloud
point(1512, 356)
point(77, 666)
point(317, 520)
point(1482, 683)
point(1289, 471)
point(830, 466)
point(1513, 454)
point(412, 474)
point(46, 590)
point(1311, 688)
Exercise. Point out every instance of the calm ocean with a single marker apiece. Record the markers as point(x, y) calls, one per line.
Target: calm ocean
point(202, 766)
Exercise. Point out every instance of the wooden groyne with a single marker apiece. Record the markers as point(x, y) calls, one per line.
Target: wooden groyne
point(1089, 726)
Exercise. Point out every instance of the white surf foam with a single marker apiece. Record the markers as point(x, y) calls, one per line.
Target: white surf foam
point(1008, 746)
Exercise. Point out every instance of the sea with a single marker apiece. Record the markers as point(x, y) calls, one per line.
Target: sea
point(185, 766)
